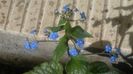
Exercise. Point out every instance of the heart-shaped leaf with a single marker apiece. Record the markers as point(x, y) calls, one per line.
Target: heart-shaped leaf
point(62, 22)
point(98, 67)
point(68, 27)
point(47, 68)
point(56, 29)
point(61, 48)
point(76, 66)
point(78, 32)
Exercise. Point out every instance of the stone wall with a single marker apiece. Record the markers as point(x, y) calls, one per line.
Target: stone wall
point(108, 21)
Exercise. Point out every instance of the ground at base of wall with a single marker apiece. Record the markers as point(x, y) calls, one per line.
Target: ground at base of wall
point(11, 69)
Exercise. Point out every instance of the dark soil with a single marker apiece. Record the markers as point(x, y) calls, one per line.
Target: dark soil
point(12, 69)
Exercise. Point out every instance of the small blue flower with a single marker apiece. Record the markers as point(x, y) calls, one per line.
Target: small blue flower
point(108, 48)
point(73, 52)
point(113, 59)
point(33, 32)
point(53, 36)
point(30, 45)
point(82, 15)
point(34, 45)
point(27, 44)
point(80, 43)
point(66, 8)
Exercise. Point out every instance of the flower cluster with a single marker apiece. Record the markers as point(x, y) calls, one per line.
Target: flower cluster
point(108, 48)
point(31, 45)
point(71, 42)
point(67, 9)
point(113, 55)
point(113, 58)
point(80, 43)
point(82, 15)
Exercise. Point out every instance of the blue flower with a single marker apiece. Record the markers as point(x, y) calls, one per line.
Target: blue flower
point(108, 48)
point(53, 36)
point(73, 52)
point(66, 8)
point(113, 59)
point(30, 45)
point(27, 44)
point(80, 43)
point(82, 15)
point(34, 45)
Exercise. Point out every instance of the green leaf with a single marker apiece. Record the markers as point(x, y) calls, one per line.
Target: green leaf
point(98, 67)
point(47, 68)
point(56, 29)
point(76, 66)
point(68, 27)
point(61, 48)
point(62, 22)
point(78, 32)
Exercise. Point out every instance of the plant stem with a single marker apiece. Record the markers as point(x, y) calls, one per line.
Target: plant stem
point(97, 54)
point(47, 41)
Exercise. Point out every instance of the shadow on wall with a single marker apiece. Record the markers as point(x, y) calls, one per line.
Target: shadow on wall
point(97, 47)
point(124, 23)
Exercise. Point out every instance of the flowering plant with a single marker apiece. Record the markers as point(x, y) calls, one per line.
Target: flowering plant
point(77, 63)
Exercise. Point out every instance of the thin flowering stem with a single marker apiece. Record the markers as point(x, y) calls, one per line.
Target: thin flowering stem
point(97, 54)
point(34, 36)
point(47, 41)
point(27, 44)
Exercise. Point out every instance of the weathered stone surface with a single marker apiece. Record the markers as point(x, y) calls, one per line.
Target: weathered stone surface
point(109, 21)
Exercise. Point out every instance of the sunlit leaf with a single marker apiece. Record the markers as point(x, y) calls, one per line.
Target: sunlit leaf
point(47, 68)
point(77, 66)
point(68, 27)
point(62, 22)
point(78, 32)
point(61, 48)
point(56, 29)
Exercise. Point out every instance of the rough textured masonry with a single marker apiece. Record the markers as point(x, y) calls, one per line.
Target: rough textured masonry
point(107, 20)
